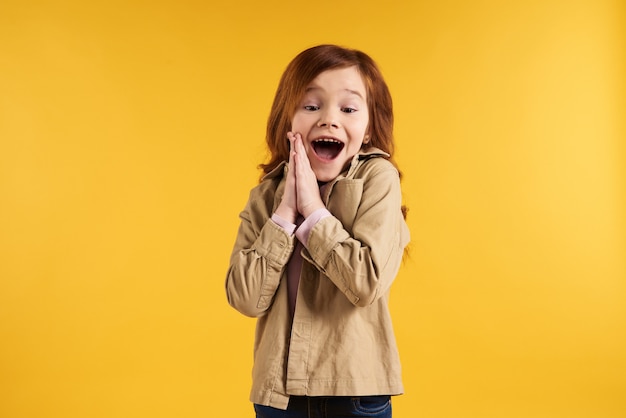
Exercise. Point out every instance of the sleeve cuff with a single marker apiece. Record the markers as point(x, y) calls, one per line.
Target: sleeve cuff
point(305, 228)
point(287, 226)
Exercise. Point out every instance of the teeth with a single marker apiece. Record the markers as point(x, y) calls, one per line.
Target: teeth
point(327, 140)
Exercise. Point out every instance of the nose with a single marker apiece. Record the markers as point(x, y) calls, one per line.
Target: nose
point(328, 118)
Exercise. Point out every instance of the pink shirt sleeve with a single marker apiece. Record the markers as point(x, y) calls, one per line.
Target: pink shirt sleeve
point(304, 230)
point(286, 225)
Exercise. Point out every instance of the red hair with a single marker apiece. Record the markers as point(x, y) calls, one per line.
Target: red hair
point(301, 71)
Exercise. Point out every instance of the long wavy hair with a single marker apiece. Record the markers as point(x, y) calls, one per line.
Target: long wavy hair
point(301, 71)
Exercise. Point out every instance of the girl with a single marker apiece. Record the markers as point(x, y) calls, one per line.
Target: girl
point(320, 242)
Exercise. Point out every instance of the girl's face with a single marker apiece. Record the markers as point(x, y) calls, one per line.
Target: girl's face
point(332, 119)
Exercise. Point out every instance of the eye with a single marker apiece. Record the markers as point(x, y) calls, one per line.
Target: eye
point(311, 107)
point(348, 110)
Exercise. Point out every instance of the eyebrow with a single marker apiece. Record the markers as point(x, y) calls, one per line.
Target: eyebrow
point(354, 92)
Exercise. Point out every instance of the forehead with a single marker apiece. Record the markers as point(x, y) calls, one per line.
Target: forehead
point(339, 81)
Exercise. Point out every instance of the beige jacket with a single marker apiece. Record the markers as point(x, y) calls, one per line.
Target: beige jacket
point(341, 341)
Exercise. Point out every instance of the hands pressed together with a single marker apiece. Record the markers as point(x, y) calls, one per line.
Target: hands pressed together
point(302, 194)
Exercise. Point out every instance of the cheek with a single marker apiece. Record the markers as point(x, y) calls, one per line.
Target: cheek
point(359, 128)
point(297, 123)
point(303, 123)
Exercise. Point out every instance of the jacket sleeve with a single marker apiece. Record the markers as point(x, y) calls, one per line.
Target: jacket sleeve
point(364, 263)
point(259, 257)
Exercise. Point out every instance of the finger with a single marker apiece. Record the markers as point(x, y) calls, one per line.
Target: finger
point(291, 144)
point(290, 138)
point(300, 154)
point(298, 141)
point(298, 146)
point(303, 158)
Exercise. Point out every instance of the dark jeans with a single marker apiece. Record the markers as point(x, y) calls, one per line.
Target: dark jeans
point(330, 407)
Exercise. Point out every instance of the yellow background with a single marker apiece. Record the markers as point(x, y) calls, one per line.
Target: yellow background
point(129, 138)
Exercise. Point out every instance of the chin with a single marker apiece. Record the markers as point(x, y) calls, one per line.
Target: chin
point(327, 172)
point(325, 177)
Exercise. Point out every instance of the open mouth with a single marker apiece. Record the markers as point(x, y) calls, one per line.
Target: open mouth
point(327, 148)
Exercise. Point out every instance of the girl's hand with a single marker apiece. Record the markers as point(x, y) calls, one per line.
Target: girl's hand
point(288, 209)
point(308, 197)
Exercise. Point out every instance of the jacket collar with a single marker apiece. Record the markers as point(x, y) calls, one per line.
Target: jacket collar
point(364, 154)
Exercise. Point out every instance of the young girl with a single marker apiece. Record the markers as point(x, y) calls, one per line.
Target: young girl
point(320, 242)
